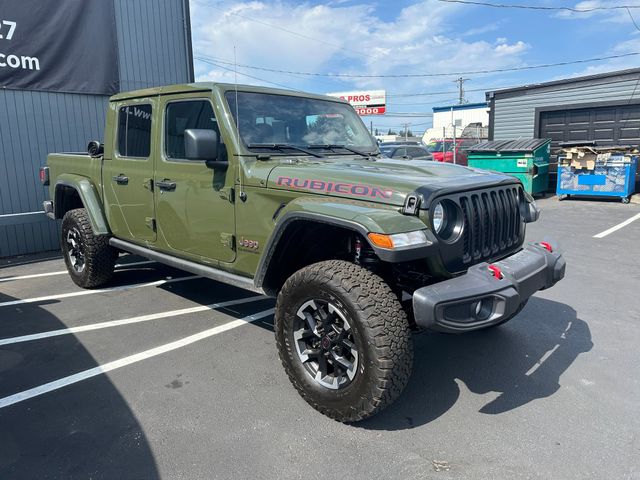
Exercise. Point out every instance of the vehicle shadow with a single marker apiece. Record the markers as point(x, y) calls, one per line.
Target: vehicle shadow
point(86, 430)
point(521, 361)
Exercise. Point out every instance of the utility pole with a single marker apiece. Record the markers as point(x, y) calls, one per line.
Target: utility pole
point(460, 81)
point(406, 130)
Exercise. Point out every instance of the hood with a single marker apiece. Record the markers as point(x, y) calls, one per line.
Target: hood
point(385, 181)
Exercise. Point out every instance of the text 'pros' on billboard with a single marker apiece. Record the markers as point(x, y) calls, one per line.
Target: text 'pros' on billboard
point(58, 45)
point(365, 102)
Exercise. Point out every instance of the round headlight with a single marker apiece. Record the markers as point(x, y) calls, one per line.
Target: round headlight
point(439, 219)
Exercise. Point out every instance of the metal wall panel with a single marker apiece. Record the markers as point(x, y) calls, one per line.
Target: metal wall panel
point(515, 114)
point(152, 49)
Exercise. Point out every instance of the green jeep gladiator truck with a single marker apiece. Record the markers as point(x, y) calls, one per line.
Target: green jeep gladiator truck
point(285, 193)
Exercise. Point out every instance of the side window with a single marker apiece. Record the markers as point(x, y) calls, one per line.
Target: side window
point(134, 131)
point(415, 152)
point(180, 116)
point(400, 152)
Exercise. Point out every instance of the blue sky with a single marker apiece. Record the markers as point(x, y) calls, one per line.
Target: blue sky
point(403, 37)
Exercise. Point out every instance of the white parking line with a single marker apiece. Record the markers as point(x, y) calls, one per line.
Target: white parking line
point(617, 227)
point(62, 272)
point(103, 290)
point(128, 321)
point(123, 362)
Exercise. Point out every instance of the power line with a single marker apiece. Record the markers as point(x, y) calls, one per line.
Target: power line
point(440, 74)
point(633, 20)
point(216, 62)
point(388, 114)
point(540, 7)
point(408, 114)
point(245, 74)
point(331, 83)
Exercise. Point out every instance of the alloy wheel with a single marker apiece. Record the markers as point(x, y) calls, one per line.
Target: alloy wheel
point(75, 252)
point(325, 344)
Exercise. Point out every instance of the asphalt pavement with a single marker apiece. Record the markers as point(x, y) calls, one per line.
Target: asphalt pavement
point(163, 375)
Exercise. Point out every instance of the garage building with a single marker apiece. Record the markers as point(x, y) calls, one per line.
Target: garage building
point(152, 41)
point(603, 107)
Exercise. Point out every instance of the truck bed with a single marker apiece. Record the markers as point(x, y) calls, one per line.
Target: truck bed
point(75, 163)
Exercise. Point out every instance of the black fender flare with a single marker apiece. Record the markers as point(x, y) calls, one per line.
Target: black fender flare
point(386, 255)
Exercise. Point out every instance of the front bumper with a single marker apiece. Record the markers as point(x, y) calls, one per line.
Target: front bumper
point(479, 299)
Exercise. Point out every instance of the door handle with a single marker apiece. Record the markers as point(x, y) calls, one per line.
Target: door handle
point(166, 186)
point(121, 179)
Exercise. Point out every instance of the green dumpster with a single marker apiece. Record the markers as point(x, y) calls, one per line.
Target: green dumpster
point(526, 159)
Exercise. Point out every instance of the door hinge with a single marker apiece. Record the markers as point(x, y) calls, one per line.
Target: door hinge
point(227, 194)
point(228, 240)
point(148, 184)
point(151, 223)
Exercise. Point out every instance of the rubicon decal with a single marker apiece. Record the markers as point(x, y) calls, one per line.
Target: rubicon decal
point(355, 189)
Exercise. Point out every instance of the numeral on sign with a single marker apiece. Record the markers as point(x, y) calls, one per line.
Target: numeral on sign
point(12, 28)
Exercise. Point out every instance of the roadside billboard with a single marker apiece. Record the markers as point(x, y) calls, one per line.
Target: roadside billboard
point(59, 45)
point(365, 102)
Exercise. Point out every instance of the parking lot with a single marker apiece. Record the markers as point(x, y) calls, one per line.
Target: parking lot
point(166, 375)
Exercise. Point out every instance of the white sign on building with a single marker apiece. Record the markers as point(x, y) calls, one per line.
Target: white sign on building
point(365, 102)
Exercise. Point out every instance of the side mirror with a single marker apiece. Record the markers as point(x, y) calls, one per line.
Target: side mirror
point(202, 144)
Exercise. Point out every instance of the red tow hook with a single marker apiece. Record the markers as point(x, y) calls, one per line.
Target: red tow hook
point(547, 246)
point(496, 272)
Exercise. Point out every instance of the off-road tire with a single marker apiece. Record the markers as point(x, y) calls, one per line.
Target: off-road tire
point(380, 329)
point(99, 256)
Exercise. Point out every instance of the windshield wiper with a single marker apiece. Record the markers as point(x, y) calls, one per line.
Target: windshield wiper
point(333, 146)
point(284, 146)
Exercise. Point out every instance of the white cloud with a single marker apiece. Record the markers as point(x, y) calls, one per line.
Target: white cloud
point(353, 39)
point(514, 49)
point(608, 16)
point(490, 27)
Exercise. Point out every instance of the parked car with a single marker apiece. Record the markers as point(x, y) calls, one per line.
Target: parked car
point(400, 142)
point(408, 152)
point(442, 150)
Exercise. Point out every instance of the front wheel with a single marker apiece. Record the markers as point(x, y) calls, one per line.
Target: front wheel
point(344, 339)
point(90, 259)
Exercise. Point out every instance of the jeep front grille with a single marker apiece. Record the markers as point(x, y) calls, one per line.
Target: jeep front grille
point(491, 223)
point(492, 226)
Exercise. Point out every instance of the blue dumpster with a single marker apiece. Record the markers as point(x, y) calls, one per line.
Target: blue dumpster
point(597, 173)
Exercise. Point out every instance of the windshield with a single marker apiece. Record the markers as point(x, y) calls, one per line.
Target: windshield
point(437, 146)
point(281, 119)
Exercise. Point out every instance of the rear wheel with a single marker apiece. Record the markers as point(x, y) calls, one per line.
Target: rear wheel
point(343, 339)
point(90, 259)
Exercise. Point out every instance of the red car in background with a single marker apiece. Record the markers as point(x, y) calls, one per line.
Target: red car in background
point(442, 150)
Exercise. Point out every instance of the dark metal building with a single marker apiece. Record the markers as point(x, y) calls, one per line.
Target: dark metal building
point(154, 48)
point(603, 107)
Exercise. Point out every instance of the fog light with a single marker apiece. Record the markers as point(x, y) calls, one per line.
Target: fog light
point(482, 309)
